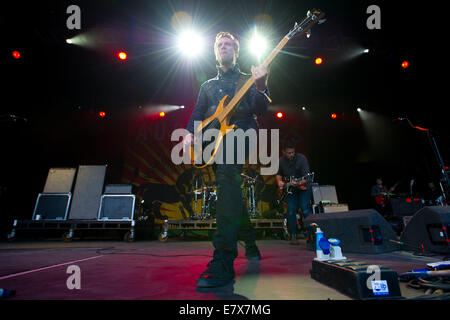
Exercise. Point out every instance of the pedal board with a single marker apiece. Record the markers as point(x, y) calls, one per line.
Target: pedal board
point(351, 278)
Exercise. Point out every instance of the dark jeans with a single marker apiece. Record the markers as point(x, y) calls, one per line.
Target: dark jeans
point(231, 218)
point(298, 199)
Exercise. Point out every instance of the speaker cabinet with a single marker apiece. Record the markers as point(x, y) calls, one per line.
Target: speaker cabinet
point(52, 206)
point(360, 231)
point(403, 207)
point(87, 193)
point(428, 230)
point(59, 180)
point(117, 207)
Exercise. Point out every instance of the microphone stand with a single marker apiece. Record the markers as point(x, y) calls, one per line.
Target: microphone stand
point(445, 182)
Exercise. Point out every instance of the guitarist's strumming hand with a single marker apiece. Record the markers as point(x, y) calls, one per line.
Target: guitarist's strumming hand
point(281, 184)
point(260, 75)
point(301, 184)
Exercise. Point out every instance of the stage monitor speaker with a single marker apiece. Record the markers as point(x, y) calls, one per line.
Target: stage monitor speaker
point(324, 193)
point(360, 231)
point(87, 193)
point(428, 230)
point(118, 189)
point(402, 207)
point(117, 207)
point(59, 180)
point(52, 206)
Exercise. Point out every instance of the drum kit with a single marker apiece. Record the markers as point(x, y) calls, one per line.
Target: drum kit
point(205, 195)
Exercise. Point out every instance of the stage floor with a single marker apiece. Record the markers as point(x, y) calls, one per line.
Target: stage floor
point(154, 270)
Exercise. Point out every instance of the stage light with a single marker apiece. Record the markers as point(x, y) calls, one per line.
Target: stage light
point(16, 54)
point(122, 55)
point(405, 64)
point(303, 108)
point(190, 43)
point(102, 114)
point(162, 114)
point(333, 116)
point(318, 61)
point(359, 109)
point(258, 44)
point(181, 107)
point(280, 115)
point(366, 51)
point(69, 41)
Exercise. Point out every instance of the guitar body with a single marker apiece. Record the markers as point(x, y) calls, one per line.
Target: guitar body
point(380, 200)
point(213, 122)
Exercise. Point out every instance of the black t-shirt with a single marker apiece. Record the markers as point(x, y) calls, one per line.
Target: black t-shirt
point(297, 168)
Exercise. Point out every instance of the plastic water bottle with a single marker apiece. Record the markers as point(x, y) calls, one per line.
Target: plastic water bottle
point(319, 235)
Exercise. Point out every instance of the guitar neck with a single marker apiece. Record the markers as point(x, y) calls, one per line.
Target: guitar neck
point(240, 94)
point(247, 85)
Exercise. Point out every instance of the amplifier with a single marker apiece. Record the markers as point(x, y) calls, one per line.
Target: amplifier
point(324, 193)
point(52, 206)
point(118, 189)
point(117, 207)
point(357, 280)
point(336, 207)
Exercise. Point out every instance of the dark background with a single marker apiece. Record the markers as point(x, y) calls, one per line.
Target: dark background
point(60, 88)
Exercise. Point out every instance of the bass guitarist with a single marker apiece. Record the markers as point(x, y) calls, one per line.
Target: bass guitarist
point(230, 218)
point(294, 164)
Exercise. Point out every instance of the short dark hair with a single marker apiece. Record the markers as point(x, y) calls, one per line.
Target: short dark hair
point(289, 145)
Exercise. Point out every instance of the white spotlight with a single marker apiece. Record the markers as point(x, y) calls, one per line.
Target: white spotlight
point(359, 109)
point(303, 108)
point(366, 51)
point(190, 43)
point(69, 41)
point(258, 44)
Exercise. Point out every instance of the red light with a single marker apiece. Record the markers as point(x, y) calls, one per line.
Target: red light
point(408, 200)
point(102, 114)
point(279, 115)
point(16, 54)
point(162, 114)
point(333, 116)
point(405, 64)
point(122, 55)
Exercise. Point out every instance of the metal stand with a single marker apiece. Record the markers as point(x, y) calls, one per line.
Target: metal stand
point(444, 182)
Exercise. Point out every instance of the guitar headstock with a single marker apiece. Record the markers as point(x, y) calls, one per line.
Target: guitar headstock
point(312, 17)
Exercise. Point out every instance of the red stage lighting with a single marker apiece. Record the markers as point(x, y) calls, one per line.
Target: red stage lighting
point(318, 60)
point(162, 114)
point(16, 54)
point(102, 114)
point(279, 115)
point(122, 55)
point(333, 116)
point(405, 64)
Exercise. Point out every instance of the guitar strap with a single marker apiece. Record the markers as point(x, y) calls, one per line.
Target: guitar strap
point(241, 81)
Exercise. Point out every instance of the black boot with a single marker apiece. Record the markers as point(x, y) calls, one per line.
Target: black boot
point(219, 272)
point(252, 252)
